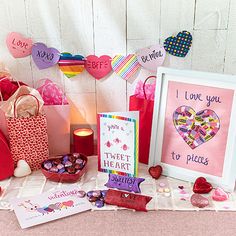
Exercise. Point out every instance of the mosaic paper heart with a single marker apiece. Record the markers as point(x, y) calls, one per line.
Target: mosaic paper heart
point(71, 65)
point(18, 45)
point(151, 58)
point(196, 128)
point(98, 67)
point(179, 46)
point(43, 56)
point(125, 67)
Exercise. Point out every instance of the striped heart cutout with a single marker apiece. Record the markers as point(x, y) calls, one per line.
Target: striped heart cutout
point(71, 65)
point(125, 66)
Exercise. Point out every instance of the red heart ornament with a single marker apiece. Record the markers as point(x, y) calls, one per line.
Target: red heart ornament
point(18, 45)
point(68, 203)
point(6, 161)
point(202, 186)
point(98, 67)
point(155, 171)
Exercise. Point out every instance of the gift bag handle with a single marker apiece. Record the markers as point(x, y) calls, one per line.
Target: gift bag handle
point(22, 95)
point(149, 77)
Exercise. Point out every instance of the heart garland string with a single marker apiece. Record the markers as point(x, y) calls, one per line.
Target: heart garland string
point(149, 58)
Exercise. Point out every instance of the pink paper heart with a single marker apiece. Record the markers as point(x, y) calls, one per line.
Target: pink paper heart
point(18, 45)
point(196, 128)
point(98, 67)
point(151, 58)
point(220, 195)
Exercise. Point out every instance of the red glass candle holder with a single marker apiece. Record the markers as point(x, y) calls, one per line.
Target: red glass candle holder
point(83, 141)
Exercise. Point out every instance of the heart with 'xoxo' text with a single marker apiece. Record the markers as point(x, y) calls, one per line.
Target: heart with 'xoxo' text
point(18, 45)
point(196, 128)
point(43, 56)
point(98, 67)
point(151, 58)
point(178, 46)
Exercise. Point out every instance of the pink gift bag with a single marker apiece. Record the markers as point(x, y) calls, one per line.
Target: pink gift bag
point(57, 111)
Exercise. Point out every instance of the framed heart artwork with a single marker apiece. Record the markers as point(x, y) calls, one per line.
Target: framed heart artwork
point(193, 132)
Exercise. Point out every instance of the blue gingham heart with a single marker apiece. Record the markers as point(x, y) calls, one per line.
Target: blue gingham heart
point(179, 46)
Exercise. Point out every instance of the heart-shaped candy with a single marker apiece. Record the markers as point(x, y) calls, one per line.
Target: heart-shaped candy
point(6, 160)
point(98, 67)
point(202, 186)
point(198, 200)
point(196, 128)
point(179, 45)
point(220, 195)
point(43, 56)
point(18, 45)
point(155, 171)
point(71, 65)
point(151, 58)
point(22, 169)
point(125, 66)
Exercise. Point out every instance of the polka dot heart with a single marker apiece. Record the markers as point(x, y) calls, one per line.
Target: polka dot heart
point(179, 46)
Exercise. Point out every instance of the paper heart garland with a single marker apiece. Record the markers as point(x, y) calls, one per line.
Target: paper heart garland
point(151, 58)
point(179, 46)
point(198, 200)
point(18, 45)
point(98, 67)
point(71, 65)
point(202, 186)
point(220, 195)
point(22, 169)
point(125, 66)
point(43, 56)
point(155, 171)
point(196, 128)
point(6, 160)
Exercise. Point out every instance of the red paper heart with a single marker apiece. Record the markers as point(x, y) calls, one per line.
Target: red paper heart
point(6, 161)
point(155, 171)
point(98, 67)
point(202, 186)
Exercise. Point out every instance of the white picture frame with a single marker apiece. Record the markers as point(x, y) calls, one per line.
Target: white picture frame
point(167, 79)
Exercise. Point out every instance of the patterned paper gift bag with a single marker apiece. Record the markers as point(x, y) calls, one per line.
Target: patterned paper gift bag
point(28, 136)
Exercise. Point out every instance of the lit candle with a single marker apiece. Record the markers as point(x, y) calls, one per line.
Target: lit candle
point(83, 141)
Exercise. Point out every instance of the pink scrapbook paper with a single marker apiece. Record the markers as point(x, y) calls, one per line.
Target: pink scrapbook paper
point(196, 127)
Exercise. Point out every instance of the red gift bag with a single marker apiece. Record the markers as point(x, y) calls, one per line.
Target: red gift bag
point(28, 137)
point(145, 108)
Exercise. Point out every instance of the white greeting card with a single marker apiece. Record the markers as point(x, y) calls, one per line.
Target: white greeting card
point(49, 206)
point(118, 142)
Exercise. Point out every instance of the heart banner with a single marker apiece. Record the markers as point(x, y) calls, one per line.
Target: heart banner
point(149, 58)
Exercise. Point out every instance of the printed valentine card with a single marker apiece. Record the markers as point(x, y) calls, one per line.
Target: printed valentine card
point(50, 206)
point(118, 143)
point(194, 126)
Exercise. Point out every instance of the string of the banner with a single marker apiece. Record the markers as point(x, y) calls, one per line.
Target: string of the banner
point(99, 67)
